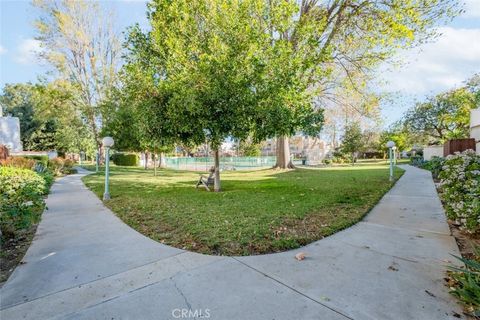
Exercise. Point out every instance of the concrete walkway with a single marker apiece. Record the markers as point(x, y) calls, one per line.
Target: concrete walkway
point(85, 263)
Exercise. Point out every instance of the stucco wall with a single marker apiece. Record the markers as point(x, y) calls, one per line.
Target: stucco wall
point(475, 124)
point(432, 151)
point(475, 127)
point(10, 133)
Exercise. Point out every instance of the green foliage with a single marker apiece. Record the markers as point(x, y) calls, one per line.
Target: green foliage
point(40, 159)
point(48, 119)
point(417, 161)
point(79, 40)
point(460, 189)
point(352, 141)
point(443, 117)
point(467, 283)
point(248, 148)
point(398, 133)
point(21, 192)
point(125, 159)
point(434, 165)
point(59, 166)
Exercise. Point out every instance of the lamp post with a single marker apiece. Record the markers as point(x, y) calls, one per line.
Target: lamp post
point(390, 146)
point(107, 143)
point(394, 150)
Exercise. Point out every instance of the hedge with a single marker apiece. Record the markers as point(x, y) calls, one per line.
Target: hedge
point(125, 159)
point(21, 192)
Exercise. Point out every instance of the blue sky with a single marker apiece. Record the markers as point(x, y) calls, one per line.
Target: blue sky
point(430, 69)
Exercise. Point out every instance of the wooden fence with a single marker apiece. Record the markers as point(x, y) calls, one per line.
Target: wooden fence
point(3, 152)
point(458, 145)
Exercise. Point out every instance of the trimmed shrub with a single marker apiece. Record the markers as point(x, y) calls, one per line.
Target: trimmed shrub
point(460, 189)
point(125, 159)
point(21, 192)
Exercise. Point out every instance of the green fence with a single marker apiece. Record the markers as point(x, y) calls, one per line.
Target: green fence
point(226, 163)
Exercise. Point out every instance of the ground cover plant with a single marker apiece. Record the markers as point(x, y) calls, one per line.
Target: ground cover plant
point(257, 212)
point(460, 189)
point(24, 184)
point(465, 283)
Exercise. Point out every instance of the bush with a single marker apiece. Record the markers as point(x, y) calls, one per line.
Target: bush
point(434, 165)
point(21, 192)
point(18, 162)
point(41, 159)
point(460, 189)
point(60, 166)
point(417, 161)
point(125, 159)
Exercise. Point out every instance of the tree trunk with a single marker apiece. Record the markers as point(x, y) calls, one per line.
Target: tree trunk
point(283, 154)
point(216, 186)
point(154, 159)
point(162, 162)
point(146, 160)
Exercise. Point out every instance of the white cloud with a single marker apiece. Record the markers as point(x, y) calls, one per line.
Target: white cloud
point(2, 50)
point(437, 66)
point(27, 51)
point(472, 8)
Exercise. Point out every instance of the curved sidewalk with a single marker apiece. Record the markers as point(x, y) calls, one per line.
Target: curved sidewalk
point(85, 263)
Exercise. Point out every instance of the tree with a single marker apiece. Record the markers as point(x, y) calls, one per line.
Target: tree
point(18, 100)
point(352, 141)
point(78, 40)
point(47, 116)
point(318, 46)
point(445, 116)
point(193, 74)
point(248, 148)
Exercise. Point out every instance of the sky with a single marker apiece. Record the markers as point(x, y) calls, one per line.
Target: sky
point(427, 70)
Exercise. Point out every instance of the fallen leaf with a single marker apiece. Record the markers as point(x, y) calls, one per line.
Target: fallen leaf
point(300, 256)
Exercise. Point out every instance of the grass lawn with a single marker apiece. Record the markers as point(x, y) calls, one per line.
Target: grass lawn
point(257, 211)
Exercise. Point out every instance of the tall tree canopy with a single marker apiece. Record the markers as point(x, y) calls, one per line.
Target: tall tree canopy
point(332, 46)
point(48, 119)
point(211, 69)
point(78, 39)
point(444, 116)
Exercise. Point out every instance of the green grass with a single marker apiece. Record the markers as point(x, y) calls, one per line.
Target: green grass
point(257, 211)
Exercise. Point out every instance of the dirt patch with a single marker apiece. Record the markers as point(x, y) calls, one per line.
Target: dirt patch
point(466, 242)
point(13, 250)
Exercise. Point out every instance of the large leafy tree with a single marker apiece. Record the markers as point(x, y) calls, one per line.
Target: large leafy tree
point(79, 41)
point(214, 68)
point(193, 75)
point(321, 47)
point(444, 116)
point(353, 140)
point(47, 116)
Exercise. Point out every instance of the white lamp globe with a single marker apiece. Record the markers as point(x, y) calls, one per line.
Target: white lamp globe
point(107, 142)
point(390, 144)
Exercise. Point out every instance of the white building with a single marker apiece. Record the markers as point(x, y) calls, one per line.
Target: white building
point(475, 127)
point(10, 132)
